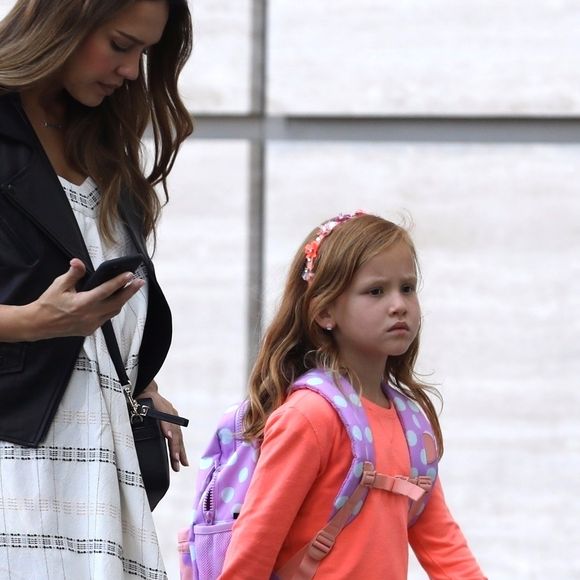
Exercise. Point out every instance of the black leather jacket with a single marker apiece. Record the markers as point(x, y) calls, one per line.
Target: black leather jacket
point(38, 237)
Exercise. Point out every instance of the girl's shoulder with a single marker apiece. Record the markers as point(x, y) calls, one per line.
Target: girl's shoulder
point(310, 407)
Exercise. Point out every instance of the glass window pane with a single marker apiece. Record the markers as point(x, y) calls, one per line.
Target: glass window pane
point(217, 77)
point(416, 57)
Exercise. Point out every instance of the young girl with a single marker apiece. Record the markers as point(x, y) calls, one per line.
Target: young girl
point(350, 307)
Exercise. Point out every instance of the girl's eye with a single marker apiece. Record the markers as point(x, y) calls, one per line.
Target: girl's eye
point(408, 289)
point(376, 291)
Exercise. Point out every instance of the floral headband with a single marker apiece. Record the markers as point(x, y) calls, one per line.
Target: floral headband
point(311, 248)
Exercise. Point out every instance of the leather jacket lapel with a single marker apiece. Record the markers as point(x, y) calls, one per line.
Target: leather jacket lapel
point(34, 186)
point(40, 195)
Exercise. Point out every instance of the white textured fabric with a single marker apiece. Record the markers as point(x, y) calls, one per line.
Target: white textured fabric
point(75, 508)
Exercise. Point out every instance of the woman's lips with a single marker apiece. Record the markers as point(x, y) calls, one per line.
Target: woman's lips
point(108, 89)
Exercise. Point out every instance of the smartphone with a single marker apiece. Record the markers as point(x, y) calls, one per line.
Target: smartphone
point(110, 269)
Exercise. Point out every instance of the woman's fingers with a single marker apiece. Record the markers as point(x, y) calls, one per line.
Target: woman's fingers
point(110, 297)
point(62, 311)
point(177, 453)
point(183, 454)
point(68, 281)
point(175, 439)
point(172, 432)
point(117, 288)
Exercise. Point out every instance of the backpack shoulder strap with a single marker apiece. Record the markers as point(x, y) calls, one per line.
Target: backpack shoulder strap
point(346, 402)
point(421, 444)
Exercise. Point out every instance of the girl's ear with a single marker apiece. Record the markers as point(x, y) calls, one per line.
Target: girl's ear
point(325, 319)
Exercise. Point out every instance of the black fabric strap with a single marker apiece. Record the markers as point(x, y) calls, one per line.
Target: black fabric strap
point(115, 355)
point(114, 352)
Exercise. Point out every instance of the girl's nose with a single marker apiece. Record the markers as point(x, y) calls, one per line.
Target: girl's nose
point(398, 304)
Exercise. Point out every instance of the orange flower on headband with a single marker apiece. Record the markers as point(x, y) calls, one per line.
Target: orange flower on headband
point(311, 248)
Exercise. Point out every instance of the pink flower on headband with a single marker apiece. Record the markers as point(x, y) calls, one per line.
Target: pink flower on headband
point(311, 248)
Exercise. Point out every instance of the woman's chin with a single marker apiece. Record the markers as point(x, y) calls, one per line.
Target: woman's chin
point(88, 99)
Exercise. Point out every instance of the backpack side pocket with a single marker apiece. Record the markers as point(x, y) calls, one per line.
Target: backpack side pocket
point(210, 545)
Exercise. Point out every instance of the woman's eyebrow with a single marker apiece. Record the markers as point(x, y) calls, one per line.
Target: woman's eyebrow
point(131, 37)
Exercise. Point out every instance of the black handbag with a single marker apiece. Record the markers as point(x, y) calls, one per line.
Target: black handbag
point(150, 443)
point(152, 455)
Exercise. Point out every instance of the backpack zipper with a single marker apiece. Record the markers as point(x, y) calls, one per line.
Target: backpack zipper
point(208, 506)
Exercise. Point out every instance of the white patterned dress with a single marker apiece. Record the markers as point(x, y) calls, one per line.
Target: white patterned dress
point(75, 508)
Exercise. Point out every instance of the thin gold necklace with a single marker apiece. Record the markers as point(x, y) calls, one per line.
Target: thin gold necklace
point(52, 125)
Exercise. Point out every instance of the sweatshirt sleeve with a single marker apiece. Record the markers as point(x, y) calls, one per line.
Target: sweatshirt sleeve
point(288, 465)
point(440, 545)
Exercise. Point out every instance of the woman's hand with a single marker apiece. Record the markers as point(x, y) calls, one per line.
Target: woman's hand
point(62, 311)
point(172, 432)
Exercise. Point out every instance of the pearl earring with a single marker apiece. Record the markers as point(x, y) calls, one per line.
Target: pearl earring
point(329, 327)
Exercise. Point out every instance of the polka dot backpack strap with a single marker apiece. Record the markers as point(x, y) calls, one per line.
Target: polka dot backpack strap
point(349, 407)
point(422, 447)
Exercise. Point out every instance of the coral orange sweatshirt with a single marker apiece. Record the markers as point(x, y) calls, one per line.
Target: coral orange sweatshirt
point(304, 459)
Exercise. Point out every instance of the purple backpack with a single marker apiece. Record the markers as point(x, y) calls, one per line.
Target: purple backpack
point(227, 466)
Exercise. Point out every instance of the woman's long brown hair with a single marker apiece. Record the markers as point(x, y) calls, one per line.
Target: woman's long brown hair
point(36, 39)
point(294, 343)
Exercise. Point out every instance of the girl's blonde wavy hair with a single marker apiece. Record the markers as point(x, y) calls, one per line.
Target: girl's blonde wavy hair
point(36, 39)
point(294, 343)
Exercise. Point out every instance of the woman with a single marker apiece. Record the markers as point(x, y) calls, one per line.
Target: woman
point(78, 86)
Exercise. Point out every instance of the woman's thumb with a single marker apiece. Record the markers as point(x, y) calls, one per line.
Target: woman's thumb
point(76, 271)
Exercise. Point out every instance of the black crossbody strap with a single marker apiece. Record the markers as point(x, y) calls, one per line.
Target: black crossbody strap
point(137, 411)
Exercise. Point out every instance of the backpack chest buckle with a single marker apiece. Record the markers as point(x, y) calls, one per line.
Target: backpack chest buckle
point(321, 545)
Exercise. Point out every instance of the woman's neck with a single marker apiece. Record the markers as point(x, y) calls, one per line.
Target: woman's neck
point(45, 108)
point(47, 113)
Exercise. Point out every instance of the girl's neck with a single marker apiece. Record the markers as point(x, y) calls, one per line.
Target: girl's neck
point(374, 394)
point(369, 380)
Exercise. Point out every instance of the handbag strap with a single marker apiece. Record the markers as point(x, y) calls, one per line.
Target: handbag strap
point(137, 411)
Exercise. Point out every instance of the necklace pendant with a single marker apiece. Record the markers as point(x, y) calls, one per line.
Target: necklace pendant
point(52, 125)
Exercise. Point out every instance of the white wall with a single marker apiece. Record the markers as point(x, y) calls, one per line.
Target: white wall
point(497, 234)
point(439, 57)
